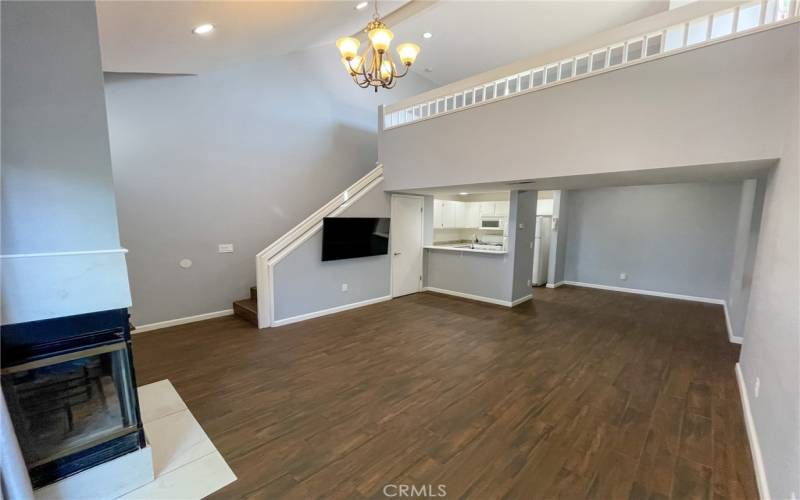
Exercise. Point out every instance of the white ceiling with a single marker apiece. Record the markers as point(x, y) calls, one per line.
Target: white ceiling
point(156, 36)
point(468, 36)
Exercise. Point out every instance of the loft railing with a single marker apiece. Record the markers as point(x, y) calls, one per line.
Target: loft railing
point(270, 256)
point(697, 29)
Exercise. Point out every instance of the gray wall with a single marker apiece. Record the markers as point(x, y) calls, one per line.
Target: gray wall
point(480, 274)
point(427, 225)
point(558, 238)
point(675, 238)
point(748, 228)
point(655, 114)
point(303, 271)
point(240, 156)
point(58, 193)
point(57, 188)
point(523, 243)
point(771, 349)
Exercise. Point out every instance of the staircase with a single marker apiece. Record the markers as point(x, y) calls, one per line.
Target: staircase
point(248, 308)
point(259, 307)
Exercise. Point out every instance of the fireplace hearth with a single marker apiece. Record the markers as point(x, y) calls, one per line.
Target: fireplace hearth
point(71, 391)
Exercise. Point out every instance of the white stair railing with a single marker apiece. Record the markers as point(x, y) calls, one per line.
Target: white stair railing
point(280, 248)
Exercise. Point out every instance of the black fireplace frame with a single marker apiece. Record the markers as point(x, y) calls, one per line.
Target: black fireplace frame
point(27, 343)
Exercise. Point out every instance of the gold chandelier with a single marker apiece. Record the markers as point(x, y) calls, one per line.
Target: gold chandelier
point(375, 68)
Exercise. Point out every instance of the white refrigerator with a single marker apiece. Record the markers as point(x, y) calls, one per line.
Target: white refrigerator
point(541, 249)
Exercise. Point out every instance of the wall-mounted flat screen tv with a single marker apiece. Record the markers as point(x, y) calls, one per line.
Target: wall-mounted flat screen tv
point(352, 237)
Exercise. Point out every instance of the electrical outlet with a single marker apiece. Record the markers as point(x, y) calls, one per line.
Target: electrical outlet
point(225, 248)
point(623, 276)
point(529, 282)
point(344, 287)
point(757, 387)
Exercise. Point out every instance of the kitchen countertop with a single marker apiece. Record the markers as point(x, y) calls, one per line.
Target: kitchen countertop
point(464, 247)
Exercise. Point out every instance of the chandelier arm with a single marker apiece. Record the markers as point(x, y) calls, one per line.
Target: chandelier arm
point(408, 68)
point(385, 81)
point(360, 83)
point(365, 60)
point(364, 71)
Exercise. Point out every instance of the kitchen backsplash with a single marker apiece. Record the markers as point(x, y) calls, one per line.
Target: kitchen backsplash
point(449, 235)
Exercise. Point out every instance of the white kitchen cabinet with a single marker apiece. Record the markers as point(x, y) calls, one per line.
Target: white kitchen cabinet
point(461, 214)
point(501, 208)
point(472, 215)
point(438, 213)
point(444, 214)
point(449, 214)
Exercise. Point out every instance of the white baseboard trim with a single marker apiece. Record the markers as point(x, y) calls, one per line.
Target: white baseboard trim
point(653, 293)
point(555, 285)
point(731, 338)
point(332, 310)
point(752, 436)
point(182, 321)
point(463, 295)
point(522, 299)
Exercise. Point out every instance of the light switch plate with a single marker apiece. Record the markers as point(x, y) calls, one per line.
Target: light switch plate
point(225, 248)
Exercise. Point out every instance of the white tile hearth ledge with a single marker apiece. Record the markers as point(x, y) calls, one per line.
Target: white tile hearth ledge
point(185, 463)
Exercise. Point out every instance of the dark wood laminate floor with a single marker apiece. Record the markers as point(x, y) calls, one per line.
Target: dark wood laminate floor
point(578, 394)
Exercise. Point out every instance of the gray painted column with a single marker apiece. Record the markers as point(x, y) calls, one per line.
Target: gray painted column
point(558, 239)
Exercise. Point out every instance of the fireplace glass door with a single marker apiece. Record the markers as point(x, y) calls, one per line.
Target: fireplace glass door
point(71, 402)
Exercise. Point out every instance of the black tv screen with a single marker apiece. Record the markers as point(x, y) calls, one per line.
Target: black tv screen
point(351, 237)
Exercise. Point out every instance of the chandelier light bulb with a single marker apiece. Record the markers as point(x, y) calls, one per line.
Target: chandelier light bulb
point(353, 65)
point(381, 38)
point(386, 70)
point(348, 46)
point(408, 53)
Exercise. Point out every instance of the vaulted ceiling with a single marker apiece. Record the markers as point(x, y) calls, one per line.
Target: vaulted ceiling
point(468, 36)
point(156, 36)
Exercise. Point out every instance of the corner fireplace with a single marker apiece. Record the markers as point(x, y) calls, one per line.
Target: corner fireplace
point(71, 392)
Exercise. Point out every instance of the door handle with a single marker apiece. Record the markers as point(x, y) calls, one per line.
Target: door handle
point(397, 253)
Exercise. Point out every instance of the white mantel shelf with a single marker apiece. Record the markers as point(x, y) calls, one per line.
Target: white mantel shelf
point(452, 248)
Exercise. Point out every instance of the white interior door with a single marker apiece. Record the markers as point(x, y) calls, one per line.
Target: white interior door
point(406, 244)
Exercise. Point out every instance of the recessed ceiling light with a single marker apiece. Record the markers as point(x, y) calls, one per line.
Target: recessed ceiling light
point(361, 5)
point(427, 35)
point(463, 194)
point(203, 29)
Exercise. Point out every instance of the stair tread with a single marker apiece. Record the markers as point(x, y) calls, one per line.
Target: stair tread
point(249, 304)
